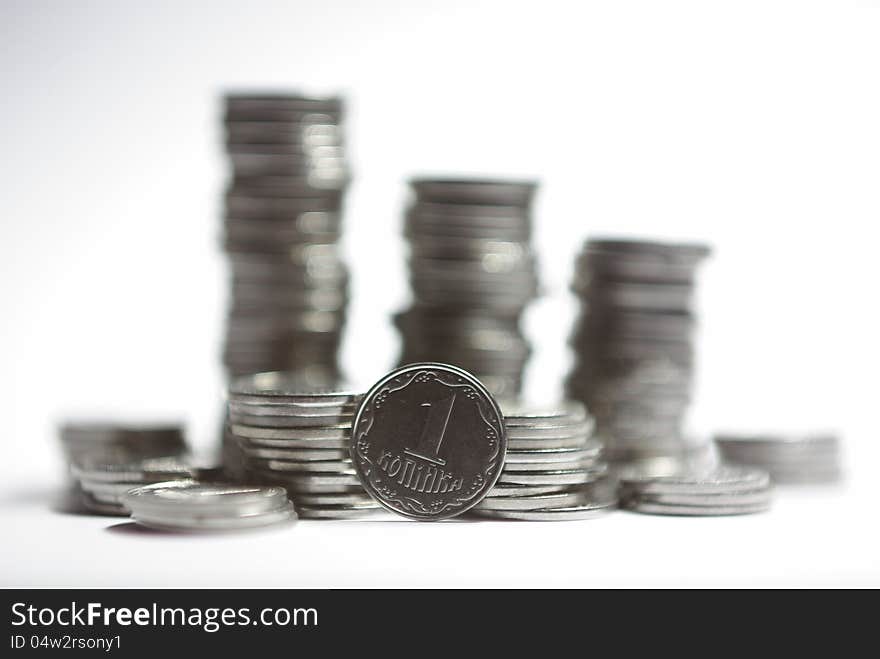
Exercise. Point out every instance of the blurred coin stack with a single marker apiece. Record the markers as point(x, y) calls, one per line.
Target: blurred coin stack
point(554, 470)
point(109, 442)
point(104, 485)
point(299, 440)
point(790, 459)
point(472, 273)
point(724, 490)
point(282, 223)
point(634, 352)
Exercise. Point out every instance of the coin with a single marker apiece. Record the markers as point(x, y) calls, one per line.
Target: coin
point(188, 504)
point(219, 523)
point(337, 512)
point(428, 441)
point(533, 502)
point(569, 513)
point(723, 480)
point(696, 511)
point(556, 477)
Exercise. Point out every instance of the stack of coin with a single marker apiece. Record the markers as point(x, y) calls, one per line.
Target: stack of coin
point(790, 459)
point(103, 484)
point(634, 346)
point(188, 505)
point(301, 440)
point(726, 490)
point(472, 273)
point(110, 442)
point(553, 469)
point(289, 286)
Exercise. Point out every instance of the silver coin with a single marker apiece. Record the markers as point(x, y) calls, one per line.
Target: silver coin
point(473, 191)
point(183, 497)
point(541, 443)
point(293, 444)
point(571, 513)
point(505, 490)
point(338, 512)
point(308, 467)
point(334, 432)
point(295, 455)
point(336, 499)
point(288, 421)
point(723, 480)
point(319, 411)
point(93, 505)
point(590, 450)
point(565, 414)
point(158, 469)
point(757, 497)
point(557, 477)
point(651, 508)
point(280, 387)
point(562, 465)
point(534, 502)
point(219, 523)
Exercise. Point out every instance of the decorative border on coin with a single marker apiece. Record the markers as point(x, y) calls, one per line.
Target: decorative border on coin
point(447, 500)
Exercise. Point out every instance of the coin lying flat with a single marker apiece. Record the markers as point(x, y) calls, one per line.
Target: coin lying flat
point(723, 480)
point(286, 388)
point(534, 502)
point(219, 523)
point(697, 511)
point(558, 477)
point(190, 505)
point(506, 490)
point(570, 513)
point(428, 441)
point(338, 512)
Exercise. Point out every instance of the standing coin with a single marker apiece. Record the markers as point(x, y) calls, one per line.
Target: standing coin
point(428, 441)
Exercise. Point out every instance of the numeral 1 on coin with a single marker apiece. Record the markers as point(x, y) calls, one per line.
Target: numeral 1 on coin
point(428, 447)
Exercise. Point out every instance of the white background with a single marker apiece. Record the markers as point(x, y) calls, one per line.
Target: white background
point(751, 125)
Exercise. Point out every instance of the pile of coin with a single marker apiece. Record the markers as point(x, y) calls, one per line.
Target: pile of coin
point(103, 485)
point(110, 442)
point(726, 490)
point(472, 273)
point(790, 459)
point(289, 286)
point(553, 470)
point(299, 440)
point(189, 505)
point(634, 352)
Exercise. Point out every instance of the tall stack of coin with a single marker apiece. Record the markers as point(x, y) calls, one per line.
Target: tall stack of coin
point(634, 349)
point(299, 439)
point(282, 223)
point(472, 273)
point(553, 470)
